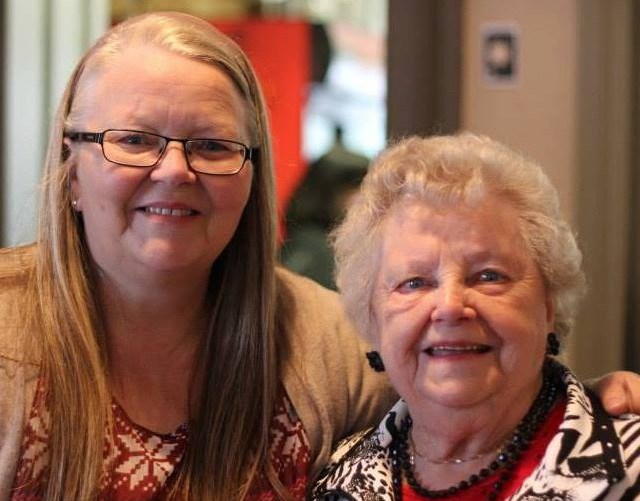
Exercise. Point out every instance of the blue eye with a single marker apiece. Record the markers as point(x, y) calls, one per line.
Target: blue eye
point(490, 276)
point(413, 283)
point(210, 145)
point(127, 139)
point(133, 139)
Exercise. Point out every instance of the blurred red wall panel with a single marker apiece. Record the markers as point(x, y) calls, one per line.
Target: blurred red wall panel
point(280, 51)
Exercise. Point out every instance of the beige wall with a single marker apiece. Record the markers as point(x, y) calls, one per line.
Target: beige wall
point(537, 114)
point(570, 111)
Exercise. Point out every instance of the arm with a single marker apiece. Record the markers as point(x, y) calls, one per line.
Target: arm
point(324, 369)
point(619, 392)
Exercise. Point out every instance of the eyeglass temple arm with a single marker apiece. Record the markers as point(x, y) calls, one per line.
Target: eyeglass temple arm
point(253, 154)
point(85, 137)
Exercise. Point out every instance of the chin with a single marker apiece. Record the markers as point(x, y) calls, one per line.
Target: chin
point(455, 394)
point(167, 258)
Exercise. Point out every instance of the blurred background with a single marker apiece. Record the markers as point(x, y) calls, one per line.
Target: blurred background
point(556, 80)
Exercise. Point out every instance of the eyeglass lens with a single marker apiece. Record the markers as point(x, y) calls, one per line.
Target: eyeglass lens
point(143, 149)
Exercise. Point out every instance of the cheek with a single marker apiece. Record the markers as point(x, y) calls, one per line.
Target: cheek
point(105, 200)
point(97, 184)
point(400, 335)
point(400, 354)
point(230, 194)
point(522, 332)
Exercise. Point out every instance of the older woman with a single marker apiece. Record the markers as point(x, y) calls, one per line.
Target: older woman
point(457, 266)
point(148, 348)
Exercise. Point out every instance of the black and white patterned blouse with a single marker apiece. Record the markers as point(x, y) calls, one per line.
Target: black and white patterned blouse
point(592, 456)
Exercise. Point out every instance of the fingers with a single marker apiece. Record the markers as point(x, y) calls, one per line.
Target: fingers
point(619, 392)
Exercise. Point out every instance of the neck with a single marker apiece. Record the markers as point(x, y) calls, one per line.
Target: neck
point(472, 436)
point(152, 342)
point(156, 310)
point(448, 478)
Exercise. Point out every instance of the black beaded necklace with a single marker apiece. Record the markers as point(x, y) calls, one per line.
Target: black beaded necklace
point(402, 460)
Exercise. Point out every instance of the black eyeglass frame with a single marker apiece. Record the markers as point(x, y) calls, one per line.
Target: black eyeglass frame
point(98, 137)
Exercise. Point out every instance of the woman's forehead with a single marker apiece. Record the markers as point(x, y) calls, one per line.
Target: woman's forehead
point(492, 224)
point(153, 66)
point(142, 82)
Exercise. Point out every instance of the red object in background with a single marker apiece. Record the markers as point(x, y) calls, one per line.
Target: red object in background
point(280, 51)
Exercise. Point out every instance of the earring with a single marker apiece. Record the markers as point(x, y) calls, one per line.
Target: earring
point(375, 361)
point(553, 345)
point(74, 204)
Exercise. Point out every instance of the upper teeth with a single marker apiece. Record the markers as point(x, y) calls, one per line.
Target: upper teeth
point(471, 347)
point(458, 348)
point(168, 212)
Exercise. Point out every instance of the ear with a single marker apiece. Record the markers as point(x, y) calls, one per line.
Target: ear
point(372, 336)
point(74, 185)
point(551, 312)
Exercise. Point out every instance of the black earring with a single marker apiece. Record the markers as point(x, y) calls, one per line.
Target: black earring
point(553, 345)
point(375, 361)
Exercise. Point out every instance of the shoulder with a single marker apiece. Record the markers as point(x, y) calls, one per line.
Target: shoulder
point(15, 262)
point(594, 441)
point(323, 365)
point(308, 310)
point(361, 464)
point(16, 265)
point(627, 429)
point(18, 375)
point(316, 343)
point(359, 467)
point(592, 455)
point(303, 289)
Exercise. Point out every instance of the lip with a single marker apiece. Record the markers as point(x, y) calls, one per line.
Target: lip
point(167, 209)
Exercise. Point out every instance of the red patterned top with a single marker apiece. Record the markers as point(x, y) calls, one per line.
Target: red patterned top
point(140, 465)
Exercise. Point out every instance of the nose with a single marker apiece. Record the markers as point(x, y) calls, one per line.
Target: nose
point(173, 166)
point(450, 303)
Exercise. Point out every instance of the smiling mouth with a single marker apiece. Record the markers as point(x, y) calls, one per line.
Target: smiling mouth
point(445, 350)
point(163, 211)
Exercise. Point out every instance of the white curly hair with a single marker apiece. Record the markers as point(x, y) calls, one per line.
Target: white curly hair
point(449, 170)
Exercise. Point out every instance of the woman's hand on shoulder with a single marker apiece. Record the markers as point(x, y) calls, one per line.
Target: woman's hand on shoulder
point(619, 392)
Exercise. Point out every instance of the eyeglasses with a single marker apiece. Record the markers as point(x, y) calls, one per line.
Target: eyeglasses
point(136, 148)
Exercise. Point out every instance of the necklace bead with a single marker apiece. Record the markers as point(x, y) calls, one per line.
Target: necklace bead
point(403, 463)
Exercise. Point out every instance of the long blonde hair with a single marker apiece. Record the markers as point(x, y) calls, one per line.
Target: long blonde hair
point(229, 433)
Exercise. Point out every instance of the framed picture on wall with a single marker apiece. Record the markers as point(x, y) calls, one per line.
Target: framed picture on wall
point(500, 45)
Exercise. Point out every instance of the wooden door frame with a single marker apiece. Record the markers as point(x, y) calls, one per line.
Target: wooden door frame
point(424, 71)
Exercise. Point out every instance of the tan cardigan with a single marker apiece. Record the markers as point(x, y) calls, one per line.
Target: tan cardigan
point(323, 366)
